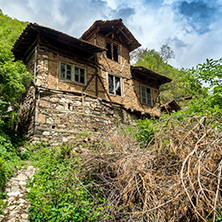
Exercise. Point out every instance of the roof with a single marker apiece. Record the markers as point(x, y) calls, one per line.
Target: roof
point(170, 106)
point(147, 75)
point(35, 33)
point(117, 27)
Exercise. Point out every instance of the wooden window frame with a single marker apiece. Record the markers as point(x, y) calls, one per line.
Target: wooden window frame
point(148, 101)
point(112, 57)
point(114, 85)
point(73, 74)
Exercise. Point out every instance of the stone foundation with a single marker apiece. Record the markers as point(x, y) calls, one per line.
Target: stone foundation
point(56, 116)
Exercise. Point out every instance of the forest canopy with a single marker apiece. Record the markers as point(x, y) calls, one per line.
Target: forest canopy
point(14, 77)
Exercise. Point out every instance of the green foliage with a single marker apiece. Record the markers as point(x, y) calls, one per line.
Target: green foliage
point(209, 99)
point(9, 160)
point(14, 78)
point(10, 29)
point(57, 194)
point(219, 218)
point(166, 53)
point(145, 131)
point(157, 61)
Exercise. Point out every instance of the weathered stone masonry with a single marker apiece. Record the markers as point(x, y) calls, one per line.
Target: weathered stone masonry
point(59, 116)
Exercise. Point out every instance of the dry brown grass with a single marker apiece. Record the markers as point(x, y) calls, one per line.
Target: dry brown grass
point(176, 178)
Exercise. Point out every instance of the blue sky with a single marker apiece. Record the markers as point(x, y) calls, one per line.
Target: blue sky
point(192, 28)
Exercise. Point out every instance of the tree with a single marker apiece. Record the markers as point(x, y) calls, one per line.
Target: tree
point(166, 53)
point(14, 77)
point(153, 60)
point(209, 75)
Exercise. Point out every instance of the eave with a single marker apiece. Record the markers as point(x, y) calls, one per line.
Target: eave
point(148, 76)
point(51, 38)
point(115, 26)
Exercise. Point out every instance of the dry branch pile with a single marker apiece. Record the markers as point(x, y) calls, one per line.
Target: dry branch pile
point(177, 178)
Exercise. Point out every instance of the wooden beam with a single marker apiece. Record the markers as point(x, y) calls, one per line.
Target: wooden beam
point(151, 84)
point(124, 34)
point(45, 41)
point(96, 85)
point(69, 55)
point(31, 46)
point(95, 73)
point(104, 88)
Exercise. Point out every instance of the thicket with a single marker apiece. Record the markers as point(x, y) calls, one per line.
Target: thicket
point(59, 190)
point(14, 79)
point(160, 170)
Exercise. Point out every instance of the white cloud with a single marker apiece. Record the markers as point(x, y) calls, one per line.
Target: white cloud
point(152, 22)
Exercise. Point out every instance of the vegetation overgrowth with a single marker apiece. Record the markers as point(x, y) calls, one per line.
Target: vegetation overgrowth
point(171, 174)
point(166, 169)
point(57, 193)
point(14, 78)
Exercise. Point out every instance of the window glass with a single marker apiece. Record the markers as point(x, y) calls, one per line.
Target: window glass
point(68, 71)
point(144, 100)
point(109, 50)
point(112, 51)
point(63, 70)
point(111, 84)
point(73, 73)
point(114, 85)
point(82, 75)
point(146, 95)
point(115, 53)
point(76, 74)
point(117, 86)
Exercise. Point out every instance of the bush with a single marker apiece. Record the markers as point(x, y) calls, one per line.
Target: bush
point(59, 192)
point(9, 159)
point(176, 178)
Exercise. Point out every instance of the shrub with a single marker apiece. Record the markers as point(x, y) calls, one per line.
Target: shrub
point(57, 194)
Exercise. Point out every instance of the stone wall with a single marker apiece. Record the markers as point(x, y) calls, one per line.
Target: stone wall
point(59, 116)
point(26, 113)
point(47, 75)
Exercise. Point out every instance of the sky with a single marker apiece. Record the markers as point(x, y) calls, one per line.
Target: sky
point(192, 28)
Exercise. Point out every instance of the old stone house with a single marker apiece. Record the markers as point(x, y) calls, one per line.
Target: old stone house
point(84, 84)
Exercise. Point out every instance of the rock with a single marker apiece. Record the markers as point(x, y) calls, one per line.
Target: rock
point(12, 207)
point(22, 150)
point(22, 183)
point(24, 216)
point(1, 218)
point(13, 194)
point(17, 205)
point(12, 220)
point(21, 177)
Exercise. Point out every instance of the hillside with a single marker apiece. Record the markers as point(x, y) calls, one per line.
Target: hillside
point(10, 29)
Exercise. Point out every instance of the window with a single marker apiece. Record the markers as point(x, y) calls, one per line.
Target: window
point(114, 84)
point(72, 73)
point(112, 51)
point(146, 95)
point(79, 75)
